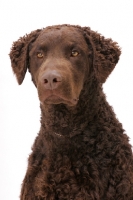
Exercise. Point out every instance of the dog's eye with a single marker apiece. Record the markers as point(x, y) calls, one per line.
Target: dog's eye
point(74, 53)
point(39, 55)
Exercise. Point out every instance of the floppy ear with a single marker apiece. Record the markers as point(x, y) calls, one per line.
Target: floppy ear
point(19, 54)
point(105, 53)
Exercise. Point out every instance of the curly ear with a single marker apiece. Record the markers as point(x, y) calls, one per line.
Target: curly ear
point(19, 54)
point(105, 53)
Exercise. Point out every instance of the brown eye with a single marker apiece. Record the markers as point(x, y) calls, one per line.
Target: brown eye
point(74, 53)
point(40, 55)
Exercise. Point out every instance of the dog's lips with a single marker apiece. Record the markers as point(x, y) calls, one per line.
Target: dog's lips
point(53, 98)
point(57, 99)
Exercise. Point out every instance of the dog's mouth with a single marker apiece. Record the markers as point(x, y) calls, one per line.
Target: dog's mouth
point(58, 99)
point(54, 98)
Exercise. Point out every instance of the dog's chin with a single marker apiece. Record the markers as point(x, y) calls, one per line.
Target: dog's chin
point(53, 99)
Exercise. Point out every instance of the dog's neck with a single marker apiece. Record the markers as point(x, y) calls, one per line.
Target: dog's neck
point(64, 121)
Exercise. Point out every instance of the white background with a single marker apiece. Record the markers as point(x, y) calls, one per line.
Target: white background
point(19, 105)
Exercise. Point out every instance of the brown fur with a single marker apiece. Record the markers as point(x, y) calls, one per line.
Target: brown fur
point(81, 151)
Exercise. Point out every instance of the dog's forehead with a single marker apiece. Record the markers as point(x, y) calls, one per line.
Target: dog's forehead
point(61, 34)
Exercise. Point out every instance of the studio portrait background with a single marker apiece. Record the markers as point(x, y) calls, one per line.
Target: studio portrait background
point(19, 105)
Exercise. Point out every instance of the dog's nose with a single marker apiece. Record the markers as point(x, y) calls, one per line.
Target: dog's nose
point(51, 79)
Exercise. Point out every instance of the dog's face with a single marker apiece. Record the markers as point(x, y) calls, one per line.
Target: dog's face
point(60, 60)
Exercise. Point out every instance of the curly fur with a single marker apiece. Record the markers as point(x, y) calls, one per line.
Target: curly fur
point(82, 151)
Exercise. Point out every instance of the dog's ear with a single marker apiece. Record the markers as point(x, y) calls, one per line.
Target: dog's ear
point(19, 54)
point(105, 53)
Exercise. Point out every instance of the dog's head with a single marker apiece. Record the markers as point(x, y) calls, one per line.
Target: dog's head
point(60, 59)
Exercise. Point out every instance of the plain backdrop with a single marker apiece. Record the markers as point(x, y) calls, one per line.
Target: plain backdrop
point(19, 105)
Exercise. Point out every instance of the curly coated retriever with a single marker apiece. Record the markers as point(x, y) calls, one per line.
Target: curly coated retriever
point(81, 151)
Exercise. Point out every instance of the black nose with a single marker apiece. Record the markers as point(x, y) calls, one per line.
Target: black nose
point(51, 79)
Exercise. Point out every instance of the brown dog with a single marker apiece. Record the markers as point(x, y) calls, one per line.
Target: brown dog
point(81, 151)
